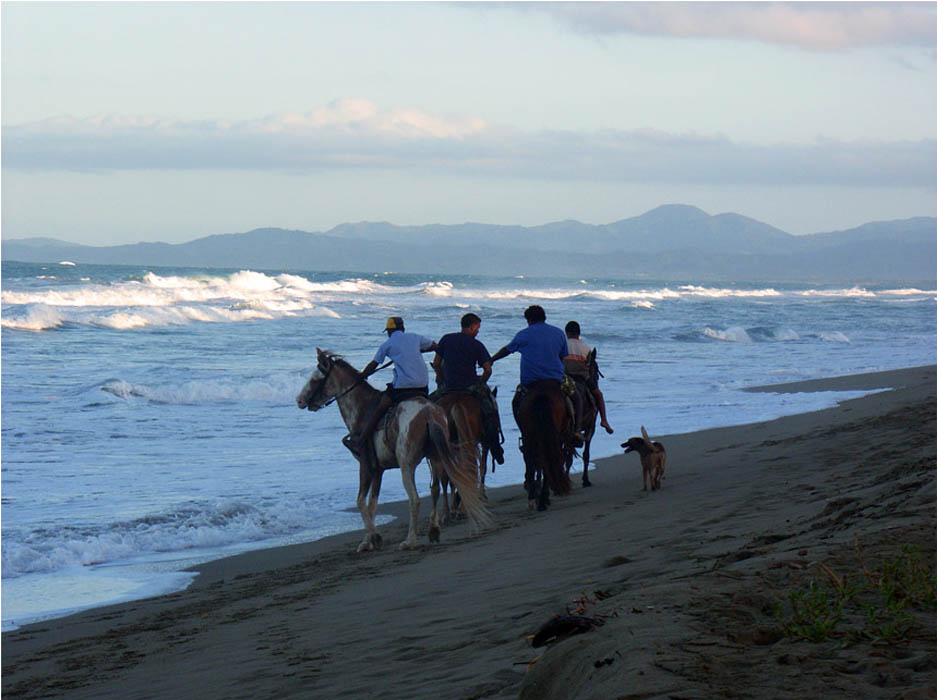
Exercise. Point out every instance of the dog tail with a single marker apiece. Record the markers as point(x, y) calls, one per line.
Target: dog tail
point(646, 438)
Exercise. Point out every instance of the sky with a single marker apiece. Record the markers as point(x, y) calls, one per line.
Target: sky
point(134, 121)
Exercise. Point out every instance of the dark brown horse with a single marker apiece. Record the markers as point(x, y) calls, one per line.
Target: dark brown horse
point(544, 422)
point(590, 412)
point(466, 429)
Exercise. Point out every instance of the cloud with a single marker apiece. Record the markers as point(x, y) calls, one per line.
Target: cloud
point(818, 26)
point(358, 134)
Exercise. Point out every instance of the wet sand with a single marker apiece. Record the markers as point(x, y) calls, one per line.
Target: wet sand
point(682, 583)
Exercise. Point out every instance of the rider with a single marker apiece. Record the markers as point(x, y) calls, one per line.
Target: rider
point(577, 366)
point(456, 358)
point(542, 348)
point(411, 378)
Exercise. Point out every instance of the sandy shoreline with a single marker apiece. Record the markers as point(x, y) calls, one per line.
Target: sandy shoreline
point(683, 580)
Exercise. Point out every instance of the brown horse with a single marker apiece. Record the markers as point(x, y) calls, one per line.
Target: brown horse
point(590, 412)
point(467, 429)
point(544, 422)
point(414, 429)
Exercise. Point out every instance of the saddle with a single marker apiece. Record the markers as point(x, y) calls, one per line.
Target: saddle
point(565, 387)
point(386, 422)
point(582, 386)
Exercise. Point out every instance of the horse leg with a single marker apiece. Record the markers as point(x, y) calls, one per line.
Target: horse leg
point(443, 480)
point(532, 482)
point(366, 480)
point(482, 470)
point(409, 484)
point(434, 491)
point(585, 463)
point(543, 502)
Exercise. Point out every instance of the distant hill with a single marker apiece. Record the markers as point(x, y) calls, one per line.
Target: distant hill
point(677, 242)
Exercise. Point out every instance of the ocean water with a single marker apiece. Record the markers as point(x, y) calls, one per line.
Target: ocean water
point(149, 422)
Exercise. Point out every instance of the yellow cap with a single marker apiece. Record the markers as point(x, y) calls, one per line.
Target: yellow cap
point(393, 323)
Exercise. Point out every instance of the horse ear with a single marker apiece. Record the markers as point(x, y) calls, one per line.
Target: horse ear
point(319, 351)
point(494, 392)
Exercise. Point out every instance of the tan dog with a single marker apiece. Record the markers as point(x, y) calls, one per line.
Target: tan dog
point(653, 457)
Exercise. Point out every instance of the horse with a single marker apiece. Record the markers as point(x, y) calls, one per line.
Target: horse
point(414, 429)
point(466, 428)
point(590, 412)
point(544, 422)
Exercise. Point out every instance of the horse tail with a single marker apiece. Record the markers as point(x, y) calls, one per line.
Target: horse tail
point(550, 446)
point(464, 438)
point(460, 469)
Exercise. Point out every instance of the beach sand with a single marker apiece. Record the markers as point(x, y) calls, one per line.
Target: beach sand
point(685, 580)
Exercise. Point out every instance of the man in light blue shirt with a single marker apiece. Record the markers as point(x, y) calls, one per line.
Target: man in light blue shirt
point(411, 377)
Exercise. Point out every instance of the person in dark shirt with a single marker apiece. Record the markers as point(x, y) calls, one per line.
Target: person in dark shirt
point(457, 356)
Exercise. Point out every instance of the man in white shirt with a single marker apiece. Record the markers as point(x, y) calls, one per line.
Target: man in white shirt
point(577, 365)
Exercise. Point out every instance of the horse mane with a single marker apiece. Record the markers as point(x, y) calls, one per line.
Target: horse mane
point(340, 360)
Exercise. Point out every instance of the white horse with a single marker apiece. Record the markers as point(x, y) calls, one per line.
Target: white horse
point(414, 429)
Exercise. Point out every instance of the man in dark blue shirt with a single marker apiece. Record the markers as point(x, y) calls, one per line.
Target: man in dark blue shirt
point(457, 356)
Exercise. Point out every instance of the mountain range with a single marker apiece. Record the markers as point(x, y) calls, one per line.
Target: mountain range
point(678, 242)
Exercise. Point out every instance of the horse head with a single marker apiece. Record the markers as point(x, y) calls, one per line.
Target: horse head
point(319, 390)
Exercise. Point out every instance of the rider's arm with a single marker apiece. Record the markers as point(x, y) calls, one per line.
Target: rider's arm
point(432, 347)
point(502, 353)
point(437, 366)
point(369, 369)
point(486, 372)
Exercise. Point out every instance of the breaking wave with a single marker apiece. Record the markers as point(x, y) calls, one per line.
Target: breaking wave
point(206, 525)
point(156, 300)
point(33, 317)
point(278, 390)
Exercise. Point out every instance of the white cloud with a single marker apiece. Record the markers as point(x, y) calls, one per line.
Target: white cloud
point(358, 134)
point(357, 115)
point(820, 26)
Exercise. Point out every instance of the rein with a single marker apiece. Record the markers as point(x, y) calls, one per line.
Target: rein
point(361, 378)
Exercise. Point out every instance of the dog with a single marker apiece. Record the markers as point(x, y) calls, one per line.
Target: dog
point(653, 457)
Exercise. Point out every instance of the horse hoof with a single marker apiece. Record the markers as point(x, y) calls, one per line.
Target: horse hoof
point(377, 541)
point(531, 505)
point(541, 506)
point(434, 534)
point(586, 483)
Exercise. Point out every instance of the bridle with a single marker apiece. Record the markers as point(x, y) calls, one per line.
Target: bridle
point(311, 401)
point(325, 376)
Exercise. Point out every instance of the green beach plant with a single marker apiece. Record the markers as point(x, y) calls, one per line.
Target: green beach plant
point(875, 606)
